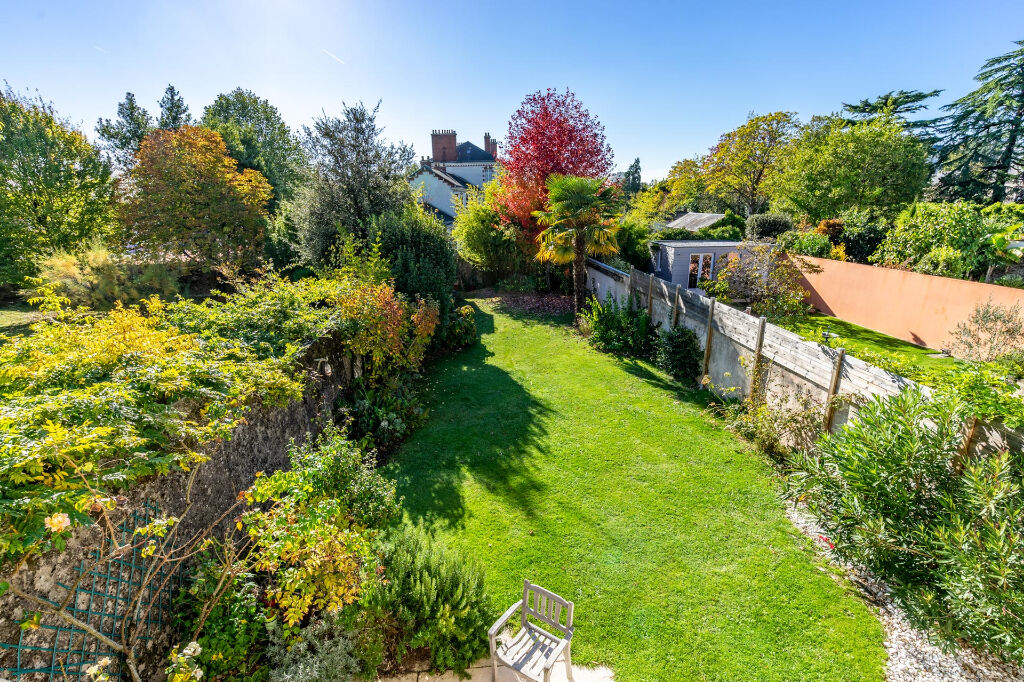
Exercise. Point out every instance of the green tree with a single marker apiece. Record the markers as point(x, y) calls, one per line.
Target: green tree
point(982, 152)
point(579, 219)
point(258, 138)
point(894, 104)
point(173, 110)
point(121, 138)
point(949, 239)
point(483, 239)
point(743, 165)
point(420, 253)
point(874, 166)
point(186, 201)
point(631, 180)
point(55, 188)
point(355, 176)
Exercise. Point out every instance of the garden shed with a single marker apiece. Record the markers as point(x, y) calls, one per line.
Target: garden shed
point(686, 262)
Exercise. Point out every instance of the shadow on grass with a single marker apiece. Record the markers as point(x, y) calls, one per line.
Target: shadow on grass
point(681, 392)
point(484, 426)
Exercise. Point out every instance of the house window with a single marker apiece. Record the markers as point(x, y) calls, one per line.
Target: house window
point(700, 268)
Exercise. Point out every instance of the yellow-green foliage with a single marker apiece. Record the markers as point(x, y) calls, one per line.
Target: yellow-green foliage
point(99, 278)
point(90, 402)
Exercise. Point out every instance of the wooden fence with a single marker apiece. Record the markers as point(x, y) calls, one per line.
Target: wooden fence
point(738, 347)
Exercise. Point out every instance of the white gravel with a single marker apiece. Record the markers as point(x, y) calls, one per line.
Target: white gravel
point(912, 657)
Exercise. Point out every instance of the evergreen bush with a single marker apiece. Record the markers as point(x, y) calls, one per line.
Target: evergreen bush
point(768, 225)
point(679, 353)
point(436, 599)
point(624, 330)
point(895, 493)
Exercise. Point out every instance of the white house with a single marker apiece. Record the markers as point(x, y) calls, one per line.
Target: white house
point(447, 175)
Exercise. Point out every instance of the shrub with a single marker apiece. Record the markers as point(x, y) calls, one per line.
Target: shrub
point(763, 277)
point(946, 239)
point(234, 634)
point(768, 225)
point(436, 600)
point(99, 279)
point(143, 389)
point(862, 235)
point(461, 331)
point(894, 494)
point(679, 353)
point(386, 412)
point(324, 651)
point(730, 220)
point(311, 527)
point(484, 241)
point(634, 242)
point(805, 243)
point(831, 228)
point(624, 330)
point(420, 253)
point(1015, 281)
point(991, 330)
point(944, 261)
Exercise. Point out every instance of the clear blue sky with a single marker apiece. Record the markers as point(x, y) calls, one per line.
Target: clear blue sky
point(665, 78)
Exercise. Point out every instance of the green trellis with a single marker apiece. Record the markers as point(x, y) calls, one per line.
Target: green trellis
point(101, 600)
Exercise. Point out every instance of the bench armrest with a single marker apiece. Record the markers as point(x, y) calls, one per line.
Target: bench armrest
point(496, 628)
point(559, 648)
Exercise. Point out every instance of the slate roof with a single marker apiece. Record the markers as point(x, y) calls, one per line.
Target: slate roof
point(467, 151)
point(695, 221)
point(449, 178)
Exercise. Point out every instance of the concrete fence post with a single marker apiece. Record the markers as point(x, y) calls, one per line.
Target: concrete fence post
point(675, 307)
point(833, 389)
point(650, 295)
point(755, 374)
point(629, 285)
point(707, 340)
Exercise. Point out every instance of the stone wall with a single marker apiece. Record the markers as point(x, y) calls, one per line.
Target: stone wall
point(259, 444)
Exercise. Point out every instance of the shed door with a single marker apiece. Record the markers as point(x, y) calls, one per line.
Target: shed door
point(700, 268)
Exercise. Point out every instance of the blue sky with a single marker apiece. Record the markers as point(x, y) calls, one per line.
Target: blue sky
point(665, 78)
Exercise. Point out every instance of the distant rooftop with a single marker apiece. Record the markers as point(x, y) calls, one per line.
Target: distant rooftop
point(695, 242)
point(694, 221)
point(467, 151)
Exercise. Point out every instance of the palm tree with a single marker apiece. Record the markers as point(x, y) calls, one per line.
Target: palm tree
point(580, 220)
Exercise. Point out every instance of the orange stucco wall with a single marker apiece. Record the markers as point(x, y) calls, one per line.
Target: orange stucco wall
point(922, 309)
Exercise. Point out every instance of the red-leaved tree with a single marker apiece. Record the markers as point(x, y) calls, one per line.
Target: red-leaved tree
point(550, 133)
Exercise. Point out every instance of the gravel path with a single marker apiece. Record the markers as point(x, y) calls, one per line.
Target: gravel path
point(912, 657)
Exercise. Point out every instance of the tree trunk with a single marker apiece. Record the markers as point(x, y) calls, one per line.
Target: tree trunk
point(579, 271)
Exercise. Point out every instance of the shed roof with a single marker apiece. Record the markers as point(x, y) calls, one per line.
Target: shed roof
point(695, 221)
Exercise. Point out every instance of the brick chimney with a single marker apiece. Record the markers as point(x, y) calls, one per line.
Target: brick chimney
point(442, 144)
point(490, 146)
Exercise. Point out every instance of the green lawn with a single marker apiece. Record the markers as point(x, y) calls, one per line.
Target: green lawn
point(857, 340)
point(600, 480)
point(15, 319)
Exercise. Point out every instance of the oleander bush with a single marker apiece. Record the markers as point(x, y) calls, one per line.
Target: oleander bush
point(91, 402)
point(895, 493)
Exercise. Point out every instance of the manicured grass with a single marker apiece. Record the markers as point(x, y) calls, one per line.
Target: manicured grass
point(599, 479)
point(857, 340)
point(15, 319)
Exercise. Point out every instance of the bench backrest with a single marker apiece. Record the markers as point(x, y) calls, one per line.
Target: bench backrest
point(547, 607)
